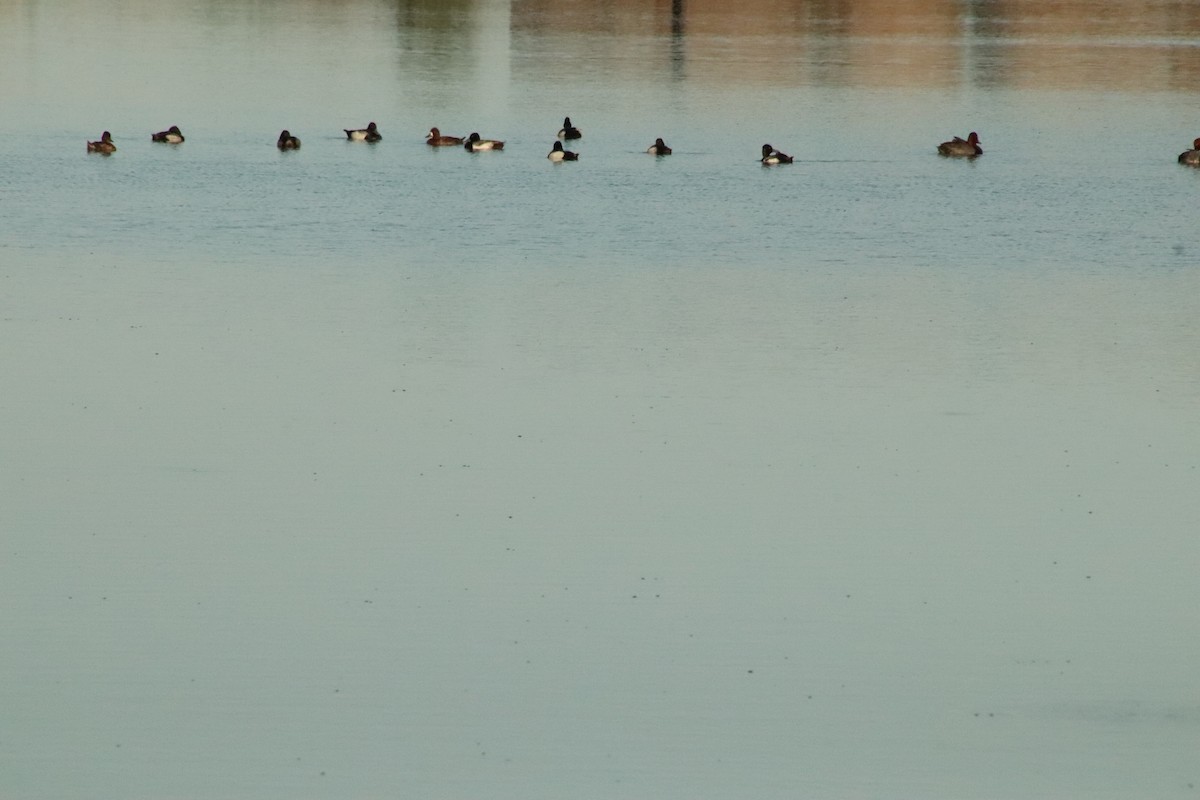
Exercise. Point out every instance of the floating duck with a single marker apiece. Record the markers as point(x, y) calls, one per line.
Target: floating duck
point(367, 134)
point(659, 148)
point(1191, 157)
point(771, 156)
point(287, 141)
point(569, 131)
point(961, 147)
point(474, 143)
point(558, 154)
point(105, 145)
point(171, 135)
point(435, 139)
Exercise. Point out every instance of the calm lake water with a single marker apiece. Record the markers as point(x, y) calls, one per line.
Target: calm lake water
point(378, 471)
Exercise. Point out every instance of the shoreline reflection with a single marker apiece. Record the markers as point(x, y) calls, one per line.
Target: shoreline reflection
point(1110, 45)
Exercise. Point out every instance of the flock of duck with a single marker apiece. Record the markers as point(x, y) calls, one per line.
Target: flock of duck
point(968, 147)
point(474, 142)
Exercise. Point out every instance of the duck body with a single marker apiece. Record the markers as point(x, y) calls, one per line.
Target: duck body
point(1191, 157)
point(171, 135)
point(435, 139)
point(105, 145)
point(367, 134)
point(771, 156)
point(287, 141)
point(569, 131)
point(961, 147)
point(474, 144)
point(659, 148)
point(557, 153)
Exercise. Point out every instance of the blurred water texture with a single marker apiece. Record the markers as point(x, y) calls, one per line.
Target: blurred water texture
point(384, 470)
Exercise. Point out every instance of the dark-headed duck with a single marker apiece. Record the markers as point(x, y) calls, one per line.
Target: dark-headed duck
point(474, 143)
point(171, 135)
point(558, 154)
point(961, 147)
point(569, 131)
point(367, 134)
point(1191, 157)
point(771, 156)
point(435, 139)
point(105, 145)
point(287, 141)
point(659, 148)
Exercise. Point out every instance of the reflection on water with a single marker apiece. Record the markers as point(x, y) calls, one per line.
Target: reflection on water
point(939, 44)
point(1117, 45)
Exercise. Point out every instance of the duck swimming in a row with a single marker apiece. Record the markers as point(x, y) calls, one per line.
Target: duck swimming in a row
point(557, 153)
point(171, 135)
point(367, 134)
point(287, 141)
point(771, 156)
point(435, 139)
point(961, 147)
point(105, 145)
point(475, 144)
point(569, 131)
point(957, 146)
point(659, 148)
point(1191, 157)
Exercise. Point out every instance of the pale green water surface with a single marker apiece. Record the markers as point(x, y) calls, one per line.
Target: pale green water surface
point(379, 471)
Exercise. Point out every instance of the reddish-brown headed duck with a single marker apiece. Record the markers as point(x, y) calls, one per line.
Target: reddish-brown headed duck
point(961, 147)
point(105, 145)
point(435, 139)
